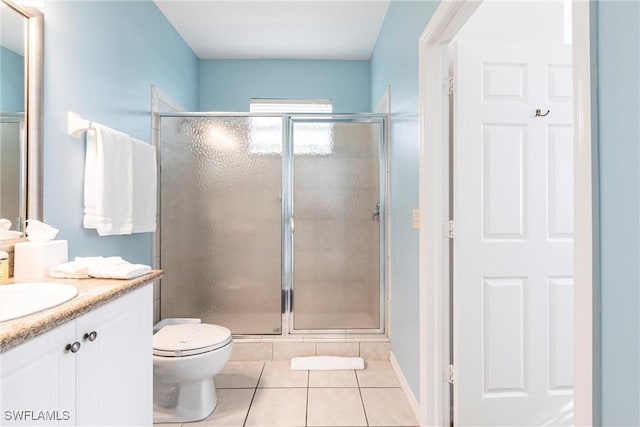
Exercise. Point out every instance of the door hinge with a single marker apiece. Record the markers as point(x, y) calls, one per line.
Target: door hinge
point(451, 374)
point(451, 229)
point(450, 86)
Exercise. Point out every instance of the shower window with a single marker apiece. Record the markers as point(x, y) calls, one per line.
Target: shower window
point(266, 132)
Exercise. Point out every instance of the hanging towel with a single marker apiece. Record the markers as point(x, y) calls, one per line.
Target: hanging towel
point(90, 166)
point(145, 176)
point(108, 181)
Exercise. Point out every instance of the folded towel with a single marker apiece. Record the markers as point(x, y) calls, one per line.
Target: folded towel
point(145, 177)
point(79, 268)
point(100, 267)
point(70, 270)
point(122, 270)
point(108, 181)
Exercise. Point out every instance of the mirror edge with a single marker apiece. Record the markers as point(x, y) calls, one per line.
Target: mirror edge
point(35, 117)
point(34, 63)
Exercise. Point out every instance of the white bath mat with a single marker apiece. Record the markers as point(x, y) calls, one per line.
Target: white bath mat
point(326, 363)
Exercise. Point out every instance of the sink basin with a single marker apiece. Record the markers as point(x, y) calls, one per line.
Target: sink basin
point(22, 299)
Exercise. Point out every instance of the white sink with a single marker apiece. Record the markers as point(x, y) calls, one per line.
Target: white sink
point(22, 299)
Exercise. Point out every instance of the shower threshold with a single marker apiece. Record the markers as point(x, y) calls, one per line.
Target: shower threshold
point(285, 347)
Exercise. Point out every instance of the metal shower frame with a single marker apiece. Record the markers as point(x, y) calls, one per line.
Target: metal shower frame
point(287, 211)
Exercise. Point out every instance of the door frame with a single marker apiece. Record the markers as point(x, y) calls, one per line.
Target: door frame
point(434, 118)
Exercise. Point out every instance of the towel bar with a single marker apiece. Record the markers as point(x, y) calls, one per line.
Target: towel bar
point(76, 125)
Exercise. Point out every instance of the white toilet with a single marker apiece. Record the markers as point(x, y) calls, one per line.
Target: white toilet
point(186, 356)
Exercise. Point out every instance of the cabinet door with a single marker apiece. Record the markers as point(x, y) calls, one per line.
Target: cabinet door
point(115, 370)
point(38, 381)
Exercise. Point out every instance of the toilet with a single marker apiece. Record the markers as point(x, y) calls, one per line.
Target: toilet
point(186, 356)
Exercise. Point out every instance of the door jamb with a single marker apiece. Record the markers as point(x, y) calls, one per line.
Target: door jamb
point(447, 20)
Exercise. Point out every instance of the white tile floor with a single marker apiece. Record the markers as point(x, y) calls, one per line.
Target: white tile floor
point(269, 394)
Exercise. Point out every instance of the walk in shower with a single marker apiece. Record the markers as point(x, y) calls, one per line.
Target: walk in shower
point(274, 224)
point(12, 168)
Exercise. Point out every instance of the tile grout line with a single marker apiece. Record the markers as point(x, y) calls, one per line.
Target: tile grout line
point(255, 390)
point(306, 412)
point(366, 419)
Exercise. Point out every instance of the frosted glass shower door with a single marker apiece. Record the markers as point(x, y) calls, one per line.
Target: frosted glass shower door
point(221, 207)
point(337, 217)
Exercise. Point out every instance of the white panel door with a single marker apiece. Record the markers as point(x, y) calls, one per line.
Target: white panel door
point(513, 249)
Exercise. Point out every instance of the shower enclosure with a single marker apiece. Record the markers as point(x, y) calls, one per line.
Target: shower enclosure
point(274, 224)
point(12, 168)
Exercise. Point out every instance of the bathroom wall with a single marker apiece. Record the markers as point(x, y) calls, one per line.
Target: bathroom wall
point(101, 58)
point(395, 63)
point(228, 85)
point(618, 43)
point(11, 81)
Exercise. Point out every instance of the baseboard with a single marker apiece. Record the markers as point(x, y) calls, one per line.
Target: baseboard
point(411, 398)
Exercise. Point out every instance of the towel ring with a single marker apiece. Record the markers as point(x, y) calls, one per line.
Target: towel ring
point(539, 113)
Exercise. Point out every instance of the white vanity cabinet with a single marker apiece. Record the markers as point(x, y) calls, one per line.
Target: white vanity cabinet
point(115, 365)
point(108, 381)
point(39, 378)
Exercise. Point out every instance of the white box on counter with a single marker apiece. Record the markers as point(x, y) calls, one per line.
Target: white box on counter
point(33, 260)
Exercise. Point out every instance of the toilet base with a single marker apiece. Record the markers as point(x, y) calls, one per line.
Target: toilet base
point(189, 402)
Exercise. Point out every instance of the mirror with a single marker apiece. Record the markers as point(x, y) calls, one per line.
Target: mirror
point(21, 52)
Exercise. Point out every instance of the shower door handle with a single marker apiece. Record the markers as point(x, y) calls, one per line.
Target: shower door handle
point(292, 224)
point(376, 213)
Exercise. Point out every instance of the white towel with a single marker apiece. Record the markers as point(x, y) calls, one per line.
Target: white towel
point(100, 267)
point(108, 181)
point(70, 270)
point(90, 167)
point(326, 363)
point(79, 268)
point(117, 270)
point(145, 177)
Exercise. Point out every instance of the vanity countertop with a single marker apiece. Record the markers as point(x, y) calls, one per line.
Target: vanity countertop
point(92, 293)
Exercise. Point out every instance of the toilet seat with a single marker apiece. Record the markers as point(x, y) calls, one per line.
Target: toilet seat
point(189, 339)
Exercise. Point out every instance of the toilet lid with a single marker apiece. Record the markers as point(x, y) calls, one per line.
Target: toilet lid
point(189, 339)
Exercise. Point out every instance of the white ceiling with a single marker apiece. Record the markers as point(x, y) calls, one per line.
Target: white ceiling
point(302, 29)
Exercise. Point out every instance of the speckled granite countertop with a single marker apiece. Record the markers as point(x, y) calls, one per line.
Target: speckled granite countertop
point(92, 293)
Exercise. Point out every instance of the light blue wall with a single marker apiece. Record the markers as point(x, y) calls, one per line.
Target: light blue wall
point(619, 150)
point(101, 58)
point(11, 81)
point(228, 85)
point(395, 63)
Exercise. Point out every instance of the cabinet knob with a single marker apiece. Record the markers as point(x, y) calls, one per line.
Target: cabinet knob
point(73, 348)
point(91, 336)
